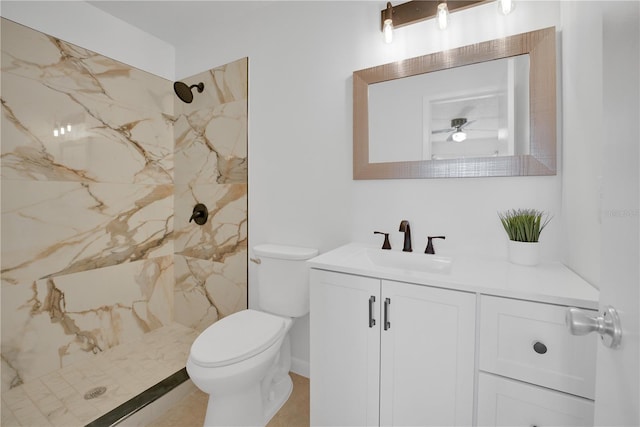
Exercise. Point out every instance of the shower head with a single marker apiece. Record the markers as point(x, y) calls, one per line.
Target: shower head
point(184, 91)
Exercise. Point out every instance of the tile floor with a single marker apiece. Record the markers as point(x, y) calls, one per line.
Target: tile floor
point(57, 399)
point(190, 411)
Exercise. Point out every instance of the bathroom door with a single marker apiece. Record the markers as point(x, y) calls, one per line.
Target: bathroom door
point(618, 374)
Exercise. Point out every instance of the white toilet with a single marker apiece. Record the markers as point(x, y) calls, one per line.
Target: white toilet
point(242, 361)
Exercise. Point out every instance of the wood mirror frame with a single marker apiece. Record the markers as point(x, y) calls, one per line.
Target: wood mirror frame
point(541, 160)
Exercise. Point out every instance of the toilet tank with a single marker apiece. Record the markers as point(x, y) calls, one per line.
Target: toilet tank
point(283, 279)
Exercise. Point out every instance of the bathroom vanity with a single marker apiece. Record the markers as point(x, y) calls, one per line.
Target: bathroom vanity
point(414, 339)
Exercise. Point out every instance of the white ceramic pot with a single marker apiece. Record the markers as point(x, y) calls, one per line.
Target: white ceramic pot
point(524, 253)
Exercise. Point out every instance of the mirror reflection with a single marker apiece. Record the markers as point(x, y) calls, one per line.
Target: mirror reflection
point(479, 110)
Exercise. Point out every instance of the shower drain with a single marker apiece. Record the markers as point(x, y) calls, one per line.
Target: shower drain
point(94, 392)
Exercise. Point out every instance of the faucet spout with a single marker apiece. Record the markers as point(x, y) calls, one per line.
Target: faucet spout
point(404, 227)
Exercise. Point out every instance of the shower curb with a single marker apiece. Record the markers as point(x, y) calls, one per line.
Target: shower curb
point(135, 404)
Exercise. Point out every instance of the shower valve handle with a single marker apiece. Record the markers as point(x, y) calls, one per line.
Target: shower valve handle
point(200, 214)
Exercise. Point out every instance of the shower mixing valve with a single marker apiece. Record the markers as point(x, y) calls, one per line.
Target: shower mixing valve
point(200, 214)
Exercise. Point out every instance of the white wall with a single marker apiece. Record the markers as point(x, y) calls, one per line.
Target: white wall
point(301, 58)
point(582, 133)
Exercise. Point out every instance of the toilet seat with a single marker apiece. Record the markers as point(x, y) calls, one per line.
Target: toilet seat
point(237, 337)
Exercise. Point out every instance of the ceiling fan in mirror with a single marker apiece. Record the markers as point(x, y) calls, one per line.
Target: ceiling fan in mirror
point(458, 129)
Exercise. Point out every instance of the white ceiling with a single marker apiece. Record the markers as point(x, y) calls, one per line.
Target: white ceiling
point(177, 22)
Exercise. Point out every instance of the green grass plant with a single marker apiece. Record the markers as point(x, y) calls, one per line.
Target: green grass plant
point(524, 225)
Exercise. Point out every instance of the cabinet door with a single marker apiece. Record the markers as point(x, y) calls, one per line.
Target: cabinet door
point(506, 402)
point(345, 349)
point(427, 356)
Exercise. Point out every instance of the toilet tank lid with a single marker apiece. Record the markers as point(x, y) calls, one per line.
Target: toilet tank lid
point(268, 250)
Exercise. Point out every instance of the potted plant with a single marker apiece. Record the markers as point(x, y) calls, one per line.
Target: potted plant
point(523, 226)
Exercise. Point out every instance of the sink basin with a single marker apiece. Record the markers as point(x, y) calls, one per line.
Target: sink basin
point(410, 261)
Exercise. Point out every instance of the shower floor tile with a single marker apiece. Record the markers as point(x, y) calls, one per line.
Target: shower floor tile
point(57, 398)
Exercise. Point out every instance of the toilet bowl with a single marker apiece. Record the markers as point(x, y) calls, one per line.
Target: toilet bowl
point(242, 361)
point(233, 360)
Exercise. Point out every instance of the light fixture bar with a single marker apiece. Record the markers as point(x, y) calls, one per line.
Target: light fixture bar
point(420, 10)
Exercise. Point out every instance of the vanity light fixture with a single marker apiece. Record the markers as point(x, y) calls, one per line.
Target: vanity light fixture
point(387, 23)
point(443, 15)
point(505, 6)
point(392, 17)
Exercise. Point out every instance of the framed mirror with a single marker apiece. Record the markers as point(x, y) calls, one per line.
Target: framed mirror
point(487, 109)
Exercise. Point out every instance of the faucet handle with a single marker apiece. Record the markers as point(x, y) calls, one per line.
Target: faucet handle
point(386, 244)
point(429, 249)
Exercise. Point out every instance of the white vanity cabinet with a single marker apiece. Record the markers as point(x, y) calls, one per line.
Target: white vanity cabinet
point(472, 341)
point(555, 371)
point(390, 353)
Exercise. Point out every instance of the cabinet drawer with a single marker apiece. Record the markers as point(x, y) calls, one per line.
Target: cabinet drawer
point(529, 341)
point(505, 402)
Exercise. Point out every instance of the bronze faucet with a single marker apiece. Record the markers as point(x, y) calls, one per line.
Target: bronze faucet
point(404, 227)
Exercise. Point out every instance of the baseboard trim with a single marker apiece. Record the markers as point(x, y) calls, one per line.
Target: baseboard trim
point(300, 367)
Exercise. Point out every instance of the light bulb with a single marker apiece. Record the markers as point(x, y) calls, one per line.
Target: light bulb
point(459, 136)
point(505, 6)
point(55, 132)
point(387, 25)
point(443, 16)
point(61, 131)
point(68, 128)
point(387, 31)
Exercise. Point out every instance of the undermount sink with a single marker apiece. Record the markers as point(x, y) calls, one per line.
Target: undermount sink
point(409, 261)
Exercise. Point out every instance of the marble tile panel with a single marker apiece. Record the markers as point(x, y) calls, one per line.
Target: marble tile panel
point(58, 321)
point(65, 66)
point(211, 145)
point(120, 118)
point(225, 231)
point(7, 418)
point(224, 84)
point(207, 291)
point(58, 228)
point(211, 132)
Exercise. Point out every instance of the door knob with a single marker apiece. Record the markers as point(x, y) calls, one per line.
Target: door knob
point(607, 325)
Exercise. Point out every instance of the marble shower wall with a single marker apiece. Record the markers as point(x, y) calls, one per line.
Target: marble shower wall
point(96, 244)
point(211, 168)
point(87, 216)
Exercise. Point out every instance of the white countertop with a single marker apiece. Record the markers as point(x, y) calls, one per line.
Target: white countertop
point(547, 282)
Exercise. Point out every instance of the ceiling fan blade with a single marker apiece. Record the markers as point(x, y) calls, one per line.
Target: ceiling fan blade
point(467, 123)
point(443, 130)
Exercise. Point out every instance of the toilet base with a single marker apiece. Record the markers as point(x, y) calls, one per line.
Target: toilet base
point(279, 395)
point(248, 408)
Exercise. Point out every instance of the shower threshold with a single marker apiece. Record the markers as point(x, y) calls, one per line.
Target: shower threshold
point(141, 401)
